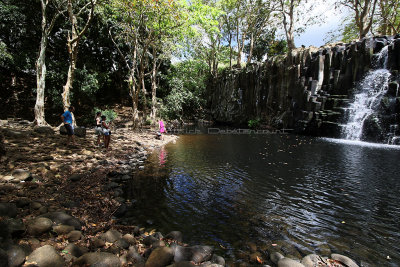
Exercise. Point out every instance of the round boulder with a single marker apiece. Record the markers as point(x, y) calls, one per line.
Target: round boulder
point(62, 229)
point(286, 262)
point(343, 259)
point(111, 236)
point(45, 256)
point(160, 257)
point(196, 254)
point(8, 210)
point(311, 260)
point(3, 258)
point(102, 259)
point(21, 175)
point(16, 256)
point(59, 217)
point(43, 130)
point(74, 236)
point(39, 226)
point(175, 235)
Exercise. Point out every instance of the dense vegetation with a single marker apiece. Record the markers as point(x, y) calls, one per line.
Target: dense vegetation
point(157, 56)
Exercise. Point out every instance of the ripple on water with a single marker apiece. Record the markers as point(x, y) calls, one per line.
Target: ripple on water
point(315, 194)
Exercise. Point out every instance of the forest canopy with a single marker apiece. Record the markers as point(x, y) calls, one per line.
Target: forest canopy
point(158, 56)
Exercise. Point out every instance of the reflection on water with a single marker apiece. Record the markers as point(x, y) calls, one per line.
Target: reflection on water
point(313, 193)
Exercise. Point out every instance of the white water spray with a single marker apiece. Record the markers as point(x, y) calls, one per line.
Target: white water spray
point(367, 100)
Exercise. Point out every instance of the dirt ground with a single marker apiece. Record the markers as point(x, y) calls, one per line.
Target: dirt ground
point(52, 163)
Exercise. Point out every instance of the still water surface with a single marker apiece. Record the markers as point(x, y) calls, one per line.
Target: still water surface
point(315, 194)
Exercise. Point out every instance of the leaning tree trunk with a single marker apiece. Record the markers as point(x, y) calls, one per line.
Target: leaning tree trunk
point(73, 57)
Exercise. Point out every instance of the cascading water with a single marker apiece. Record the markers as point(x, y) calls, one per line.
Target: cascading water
point(368, 99)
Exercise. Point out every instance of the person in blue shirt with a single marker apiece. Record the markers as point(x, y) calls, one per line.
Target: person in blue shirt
point(66, 117)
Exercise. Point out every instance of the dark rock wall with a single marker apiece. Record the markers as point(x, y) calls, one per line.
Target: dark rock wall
point(306, 91)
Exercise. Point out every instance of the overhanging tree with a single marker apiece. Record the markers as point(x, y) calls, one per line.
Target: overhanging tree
point(77, 11)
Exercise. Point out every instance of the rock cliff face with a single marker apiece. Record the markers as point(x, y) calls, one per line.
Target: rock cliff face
point(310, 90)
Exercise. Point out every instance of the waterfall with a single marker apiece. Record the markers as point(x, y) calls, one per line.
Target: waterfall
point(368, 97)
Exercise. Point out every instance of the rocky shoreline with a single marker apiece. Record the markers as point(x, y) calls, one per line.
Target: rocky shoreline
point(59, 207)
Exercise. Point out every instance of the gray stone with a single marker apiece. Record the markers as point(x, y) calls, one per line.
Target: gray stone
point(39, 226)
point(196, 254)
point(16, 256)
point(311, 260)
point(275, 257)
point(21, 175)
point(158, 243)
point(175, 235)
point(8, 210)
point(23, 202)
point(158, 235)
point(160, 257)
point(74, 250)
point(134, 257)
point(218, 260)
point(98, 243)
point(74, 236)
point(80, 131)
point(346, 260)
point(184, 264)
point(15, 227)
point(43, 130)
point(63, 229)
point(45, 256)
point(59, 217)
point(102, 259)
point(286, 262)
point(111, 236)
point(130, 239)
point(75, 177)
point(149, 240)
point(36, 205)
point(3, 258)
point(121, 243)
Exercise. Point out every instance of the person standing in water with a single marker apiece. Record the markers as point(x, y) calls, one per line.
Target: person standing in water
point(162, 129)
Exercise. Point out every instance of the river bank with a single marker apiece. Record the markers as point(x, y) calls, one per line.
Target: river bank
point(59, 206)
point(58, 202)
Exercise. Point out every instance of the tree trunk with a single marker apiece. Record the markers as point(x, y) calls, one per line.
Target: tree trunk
point(251, 48)
point(135, 98)
point(73, 44)
point(73, 55)
point(239, 54)
point(154, 87)
point(143, 90)
point(230, 51)
point(41, 73)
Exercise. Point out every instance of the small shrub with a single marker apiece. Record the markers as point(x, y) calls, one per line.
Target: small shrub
point(253, 123)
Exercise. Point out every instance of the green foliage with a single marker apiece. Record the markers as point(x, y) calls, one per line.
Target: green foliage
point(253, 124)
point(267, 44)
point(187, 85)
point(89, 118)
point(109, 113)
point(4, 54)
point(88, 81)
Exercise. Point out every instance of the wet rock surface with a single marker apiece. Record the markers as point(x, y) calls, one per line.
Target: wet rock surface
point(310, 90)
